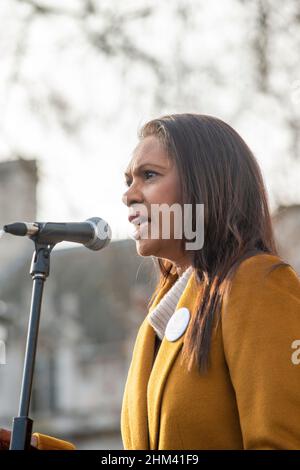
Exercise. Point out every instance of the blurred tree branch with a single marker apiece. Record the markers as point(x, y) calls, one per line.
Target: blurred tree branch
point(113, 38)
point(272, 26)
point(104, 29)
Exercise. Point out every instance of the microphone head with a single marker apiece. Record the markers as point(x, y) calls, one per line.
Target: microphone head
point(102, 234)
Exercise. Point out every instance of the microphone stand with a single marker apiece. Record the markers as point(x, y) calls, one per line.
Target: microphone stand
point(39, 270)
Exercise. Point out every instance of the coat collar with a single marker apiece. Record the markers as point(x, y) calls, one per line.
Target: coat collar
point(144, 387)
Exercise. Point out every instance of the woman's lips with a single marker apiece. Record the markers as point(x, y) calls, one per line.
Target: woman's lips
point(139, 220)
point(141, 229)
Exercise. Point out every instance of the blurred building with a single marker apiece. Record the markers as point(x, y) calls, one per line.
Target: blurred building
point(286, 222)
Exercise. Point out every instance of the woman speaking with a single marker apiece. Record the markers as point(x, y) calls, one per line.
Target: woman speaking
point(216, 362)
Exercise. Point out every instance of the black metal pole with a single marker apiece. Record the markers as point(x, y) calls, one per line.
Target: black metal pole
point(22, 424)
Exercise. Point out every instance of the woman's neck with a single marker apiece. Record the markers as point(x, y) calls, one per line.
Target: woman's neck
point(180, 265)
point(181, 268)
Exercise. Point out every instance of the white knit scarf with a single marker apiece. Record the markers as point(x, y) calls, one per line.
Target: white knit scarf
point(161, 314)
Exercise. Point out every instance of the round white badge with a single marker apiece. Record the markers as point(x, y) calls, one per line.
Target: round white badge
point(177, 324)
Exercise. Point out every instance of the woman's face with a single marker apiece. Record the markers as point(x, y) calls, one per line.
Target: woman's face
point(152, 178)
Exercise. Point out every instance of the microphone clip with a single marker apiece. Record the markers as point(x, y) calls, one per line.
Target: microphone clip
point(40, 263)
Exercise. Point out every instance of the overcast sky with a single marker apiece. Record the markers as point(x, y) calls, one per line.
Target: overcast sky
point(81, 172)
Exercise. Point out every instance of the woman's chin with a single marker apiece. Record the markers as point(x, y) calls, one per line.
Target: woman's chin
point(146, 247)
point(145, 244)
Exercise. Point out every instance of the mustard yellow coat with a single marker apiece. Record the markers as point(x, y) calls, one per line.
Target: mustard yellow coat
point(250, 398)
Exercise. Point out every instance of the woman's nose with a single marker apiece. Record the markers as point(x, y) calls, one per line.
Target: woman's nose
point(131, 196)
point(125, 198)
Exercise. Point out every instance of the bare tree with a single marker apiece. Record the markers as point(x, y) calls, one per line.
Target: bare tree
point(272, 27)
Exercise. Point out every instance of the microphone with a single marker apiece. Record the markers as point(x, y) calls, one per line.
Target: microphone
point(93, 233)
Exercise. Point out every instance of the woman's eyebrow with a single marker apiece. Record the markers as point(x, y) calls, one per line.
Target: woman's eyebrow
point(139, 168)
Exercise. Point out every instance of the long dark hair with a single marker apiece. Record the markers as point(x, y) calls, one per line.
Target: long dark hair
point(218, 170)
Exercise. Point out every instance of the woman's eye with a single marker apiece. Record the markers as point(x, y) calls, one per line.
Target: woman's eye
point(146, 172)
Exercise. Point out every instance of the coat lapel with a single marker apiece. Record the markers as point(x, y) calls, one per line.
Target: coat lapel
point(145, 383)
point(164, 361)
point(134, 421)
